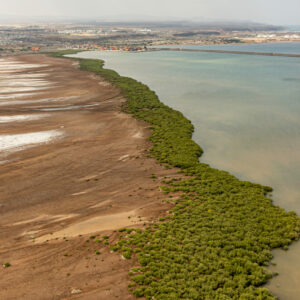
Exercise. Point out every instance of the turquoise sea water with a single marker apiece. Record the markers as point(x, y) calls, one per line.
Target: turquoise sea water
point(246, 113)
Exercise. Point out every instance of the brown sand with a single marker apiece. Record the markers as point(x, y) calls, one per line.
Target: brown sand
point(92, 180)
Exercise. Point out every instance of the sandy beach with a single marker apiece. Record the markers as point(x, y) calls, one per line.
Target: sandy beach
point(72, 165)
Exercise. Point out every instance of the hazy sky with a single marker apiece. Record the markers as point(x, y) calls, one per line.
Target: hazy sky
point(267, 11)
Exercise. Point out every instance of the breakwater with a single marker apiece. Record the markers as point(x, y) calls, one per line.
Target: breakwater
point(229, 52)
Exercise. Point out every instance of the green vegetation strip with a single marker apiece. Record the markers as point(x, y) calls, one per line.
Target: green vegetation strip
point(216, 242)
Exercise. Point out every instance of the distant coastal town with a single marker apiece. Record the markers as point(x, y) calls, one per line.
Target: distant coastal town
point(136, 37)
point(112, 48)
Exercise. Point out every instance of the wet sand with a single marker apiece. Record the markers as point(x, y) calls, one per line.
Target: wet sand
point(72, 165)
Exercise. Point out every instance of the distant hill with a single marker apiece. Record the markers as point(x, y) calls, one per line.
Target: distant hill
point(180, 24)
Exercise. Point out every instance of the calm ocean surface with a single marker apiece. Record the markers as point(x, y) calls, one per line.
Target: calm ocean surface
point(246, 113)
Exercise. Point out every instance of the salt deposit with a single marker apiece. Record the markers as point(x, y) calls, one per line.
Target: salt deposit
point(24, 101)
point(10, 68)
point(20, 118)
point(24, 82)
point(8, 71)
point(16, 142)
point(19, 95)
point(19, 66)
point(23, 76)
point(23, 89)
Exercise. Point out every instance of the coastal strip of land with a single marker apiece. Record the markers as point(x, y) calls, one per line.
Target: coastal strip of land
point(229, 52)
point(216, 242)
point(73, 168)
point(127, 180)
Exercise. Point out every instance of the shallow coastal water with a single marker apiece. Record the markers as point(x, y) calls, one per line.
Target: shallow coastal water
point(245, 110)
